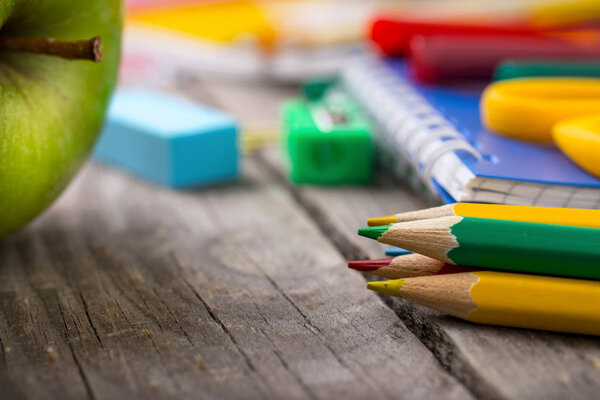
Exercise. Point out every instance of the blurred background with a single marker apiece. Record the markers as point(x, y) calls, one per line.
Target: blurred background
point(245, 57)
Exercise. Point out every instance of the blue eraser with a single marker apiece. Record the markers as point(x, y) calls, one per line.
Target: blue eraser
point(169, 140)
point(396, 251)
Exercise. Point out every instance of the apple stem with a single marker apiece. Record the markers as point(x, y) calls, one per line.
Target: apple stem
point(71, 50)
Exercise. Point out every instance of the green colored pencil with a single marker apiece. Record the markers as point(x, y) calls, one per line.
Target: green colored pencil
point(499, 244)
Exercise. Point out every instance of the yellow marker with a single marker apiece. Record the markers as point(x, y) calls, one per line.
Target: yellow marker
point(544, 215)
point(497, 298)
point(528, 108)
point(579, 139)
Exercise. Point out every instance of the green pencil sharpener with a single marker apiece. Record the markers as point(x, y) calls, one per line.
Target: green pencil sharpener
point(328, 141)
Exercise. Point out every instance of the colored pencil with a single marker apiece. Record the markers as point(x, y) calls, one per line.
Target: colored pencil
point(498, 244)
point(498, 298)
point(396, 251)
point(545, 215)
point(406, 266)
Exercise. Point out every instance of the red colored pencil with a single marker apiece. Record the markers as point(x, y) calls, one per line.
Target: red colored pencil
point(406, 266)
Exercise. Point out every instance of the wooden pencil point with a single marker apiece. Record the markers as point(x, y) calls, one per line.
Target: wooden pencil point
point(391, 288)
point(431, 237)
point(435, 212)
point(407, 266)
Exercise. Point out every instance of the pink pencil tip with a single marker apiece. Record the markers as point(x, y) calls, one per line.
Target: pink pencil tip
point(370, 265)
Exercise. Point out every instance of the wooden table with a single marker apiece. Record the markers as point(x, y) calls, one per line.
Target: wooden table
point(128, 290)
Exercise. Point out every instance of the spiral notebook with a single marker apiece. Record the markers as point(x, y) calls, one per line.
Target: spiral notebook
point(432, 137)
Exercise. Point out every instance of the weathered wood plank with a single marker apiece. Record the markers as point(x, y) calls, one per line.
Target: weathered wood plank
point(124, 289)
point(495, 363)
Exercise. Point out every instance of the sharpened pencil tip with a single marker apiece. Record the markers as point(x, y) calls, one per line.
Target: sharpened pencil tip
point(374, 232)
point(388, 219)
point(391, 288)
point(370, 265)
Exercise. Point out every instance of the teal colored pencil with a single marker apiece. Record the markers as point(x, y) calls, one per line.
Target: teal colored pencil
point(498, 244)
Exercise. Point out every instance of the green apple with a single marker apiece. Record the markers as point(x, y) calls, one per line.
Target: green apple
point(51, 109)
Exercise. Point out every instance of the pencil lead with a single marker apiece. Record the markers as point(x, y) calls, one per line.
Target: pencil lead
point(370, 265)
point(391, 288)
point(388, 219)
point(374, 232)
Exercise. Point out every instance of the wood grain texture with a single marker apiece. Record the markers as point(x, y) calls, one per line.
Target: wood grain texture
point(493, 362)
point(127, 290)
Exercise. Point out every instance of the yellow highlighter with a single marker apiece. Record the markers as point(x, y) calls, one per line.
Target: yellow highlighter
point(528, 108)
point(498, 298)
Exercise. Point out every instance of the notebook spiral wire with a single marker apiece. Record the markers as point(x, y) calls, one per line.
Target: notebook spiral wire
point(405, 124)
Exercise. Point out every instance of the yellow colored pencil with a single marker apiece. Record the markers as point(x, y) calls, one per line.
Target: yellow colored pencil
point(499, 298)
point(544, 215)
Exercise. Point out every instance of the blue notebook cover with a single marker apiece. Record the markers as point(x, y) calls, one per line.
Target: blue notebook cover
point(503, 157)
